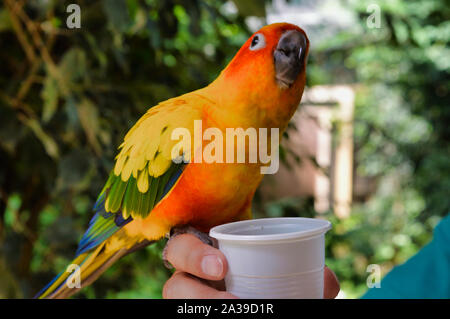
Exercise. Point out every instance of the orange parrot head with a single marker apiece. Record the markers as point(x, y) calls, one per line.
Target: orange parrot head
point(268, 72)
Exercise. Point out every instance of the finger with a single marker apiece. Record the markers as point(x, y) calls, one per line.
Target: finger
point(331, 284)
point(184, 286)
point(189, 254)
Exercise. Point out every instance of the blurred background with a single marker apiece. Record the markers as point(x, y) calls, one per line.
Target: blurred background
point(368, 149)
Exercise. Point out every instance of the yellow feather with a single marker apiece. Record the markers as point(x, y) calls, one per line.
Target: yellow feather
point(119, 164)
point(152, 149)
point(159, 165)
point(127, 169)
point(125, 213)
point(107, 208)
point(142, 182)
point(167, 144)
point(139, 166)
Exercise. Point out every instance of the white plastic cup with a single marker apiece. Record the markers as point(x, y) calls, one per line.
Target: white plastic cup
point(276, 258)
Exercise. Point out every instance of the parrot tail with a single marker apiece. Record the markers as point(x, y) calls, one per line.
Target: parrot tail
point(86, 268)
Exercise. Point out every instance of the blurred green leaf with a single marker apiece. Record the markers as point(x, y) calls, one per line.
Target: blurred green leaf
point(255, 8)
point(88, 115)
point(117, 13)
point(50, 96)
point(5, 21)
point(51, 147)
point(73, 65)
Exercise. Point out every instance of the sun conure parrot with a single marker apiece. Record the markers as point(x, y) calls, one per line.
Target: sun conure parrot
point(147, 194)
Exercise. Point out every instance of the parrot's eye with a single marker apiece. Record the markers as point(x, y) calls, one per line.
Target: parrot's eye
point(258, 42)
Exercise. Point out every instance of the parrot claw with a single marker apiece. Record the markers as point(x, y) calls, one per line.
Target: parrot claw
point(185, 230)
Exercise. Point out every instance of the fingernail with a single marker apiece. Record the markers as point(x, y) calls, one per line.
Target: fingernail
point(212, 265)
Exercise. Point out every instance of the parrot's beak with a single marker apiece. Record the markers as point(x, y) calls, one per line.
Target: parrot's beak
point(289, 57)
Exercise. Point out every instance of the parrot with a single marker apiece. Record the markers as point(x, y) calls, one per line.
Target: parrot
point(148, 194)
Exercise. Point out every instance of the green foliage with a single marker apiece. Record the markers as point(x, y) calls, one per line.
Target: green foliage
point(401, 132)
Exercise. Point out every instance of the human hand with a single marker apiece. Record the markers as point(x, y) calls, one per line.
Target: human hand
point(200, 270)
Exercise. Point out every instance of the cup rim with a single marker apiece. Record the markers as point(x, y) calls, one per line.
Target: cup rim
point(222, 232)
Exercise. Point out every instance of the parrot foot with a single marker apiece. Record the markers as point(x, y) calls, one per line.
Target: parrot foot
point(185, 230)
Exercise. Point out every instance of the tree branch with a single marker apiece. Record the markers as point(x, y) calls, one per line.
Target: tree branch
point(18, 29)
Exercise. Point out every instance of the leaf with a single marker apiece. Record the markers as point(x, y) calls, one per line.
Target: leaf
point(5, 21)
point(73, 65)
point(88, 115)
point(247, 8)
point(50, 95)
point(47, 141)
point(95, 47)
point(117, 13)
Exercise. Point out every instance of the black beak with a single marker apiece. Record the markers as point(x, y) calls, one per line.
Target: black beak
point(289, 57)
